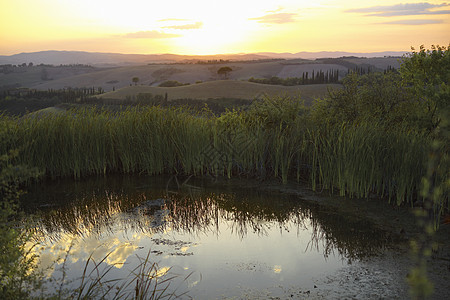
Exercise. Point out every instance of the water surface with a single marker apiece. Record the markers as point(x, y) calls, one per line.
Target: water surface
point(214, 240)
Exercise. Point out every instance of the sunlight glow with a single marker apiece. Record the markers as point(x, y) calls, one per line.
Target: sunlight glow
point(277, 269)
point(78, 248)
point(211, 26)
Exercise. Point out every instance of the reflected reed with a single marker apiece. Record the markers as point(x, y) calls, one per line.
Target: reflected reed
point(200, 211)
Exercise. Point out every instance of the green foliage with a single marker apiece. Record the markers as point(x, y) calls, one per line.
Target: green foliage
point(421, 286)
point(375, 97)
point(135, 80)
point(22, 101)
point(91, 141)
point(427, 72)
point(320, 77)
point(365, 159)
point(368, 138)
point(277, 111)
point(273, 137)
point(18, 275)
point(417, 95)
point(224, 71)
point(435, 189)
point(392, 112)
point(218, 105)
point(172, 83)
point(150, 99)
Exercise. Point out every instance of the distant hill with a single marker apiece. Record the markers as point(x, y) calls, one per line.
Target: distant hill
point(333, 54)
point(45, 77)
point(117, 59)
point(113, 59)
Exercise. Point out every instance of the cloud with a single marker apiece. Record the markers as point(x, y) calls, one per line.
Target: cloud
point(152, 34)
point(407, 9)
point(172, 19)
point(278, 18)
point(280, 8)
point(195, 25)
point(414, 22)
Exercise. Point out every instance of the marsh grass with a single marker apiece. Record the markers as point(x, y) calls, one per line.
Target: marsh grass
point(368, 159)
point(145, 281)
point(273, 138)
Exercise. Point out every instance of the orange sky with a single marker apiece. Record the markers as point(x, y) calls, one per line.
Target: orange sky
point(213, 27)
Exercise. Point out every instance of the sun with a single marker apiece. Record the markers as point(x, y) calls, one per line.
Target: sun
point(219, 28)
point(222, 29)
point(214, 37)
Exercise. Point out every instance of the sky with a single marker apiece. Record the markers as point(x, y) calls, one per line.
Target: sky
point(218, 27)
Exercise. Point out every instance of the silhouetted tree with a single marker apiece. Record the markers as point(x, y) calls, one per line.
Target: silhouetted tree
point(44, 74)
point(224, 71)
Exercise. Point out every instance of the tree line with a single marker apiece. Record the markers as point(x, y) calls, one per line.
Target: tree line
point(319, 77)
point(22, 101)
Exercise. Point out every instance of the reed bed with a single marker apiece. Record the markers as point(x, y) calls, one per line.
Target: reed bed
point(364, 160)
point(356, 160)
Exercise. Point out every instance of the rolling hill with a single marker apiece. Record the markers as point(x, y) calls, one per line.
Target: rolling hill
point(203, 78)
point(155, 74)
point(225, 89)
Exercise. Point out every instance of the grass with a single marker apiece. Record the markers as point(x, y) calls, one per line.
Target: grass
point(145, 281)
point(224, 89)
point(274, 138)
point(364, 160)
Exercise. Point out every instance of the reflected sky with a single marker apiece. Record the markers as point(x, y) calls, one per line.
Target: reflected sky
point(226, 240)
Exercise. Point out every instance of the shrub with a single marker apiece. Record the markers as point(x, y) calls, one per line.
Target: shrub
point(18, 275)
point(172, 83)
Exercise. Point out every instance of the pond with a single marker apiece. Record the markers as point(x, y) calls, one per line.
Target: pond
point(209, 240)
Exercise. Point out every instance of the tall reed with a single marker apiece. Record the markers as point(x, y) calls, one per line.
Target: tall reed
point(364, 159)
point(272, 138)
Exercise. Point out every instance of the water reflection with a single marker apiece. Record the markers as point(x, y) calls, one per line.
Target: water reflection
point(117, 219)
point(102, 211)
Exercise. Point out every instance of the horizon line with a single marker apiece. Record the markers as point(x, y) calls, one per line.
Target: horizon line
point(216, 54)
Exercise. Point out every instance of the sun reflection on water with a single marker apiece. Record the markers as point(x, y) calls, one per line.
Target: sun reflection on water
point(205, 232)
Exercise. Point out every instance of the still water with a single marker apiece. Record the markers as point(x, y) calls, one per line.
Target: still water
point(212, 240)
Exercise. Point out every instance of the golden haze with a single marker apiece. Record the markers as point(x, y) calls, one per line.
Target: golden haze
point(212, 27)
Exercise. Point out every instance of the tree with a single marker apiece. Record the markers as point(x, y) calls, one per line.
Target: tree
point(427, 73)
point(375, 97)
point(224, 71)
point(135, 80)
point(44, 74)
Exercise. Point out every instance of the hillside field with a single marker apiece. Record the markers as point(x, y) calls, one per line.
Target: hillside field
point(153, 74)
point(225, 89)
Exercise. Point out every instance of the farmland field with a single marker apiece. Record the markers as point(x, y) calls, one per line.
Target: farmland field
point(226, 89)
point(153, 74)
